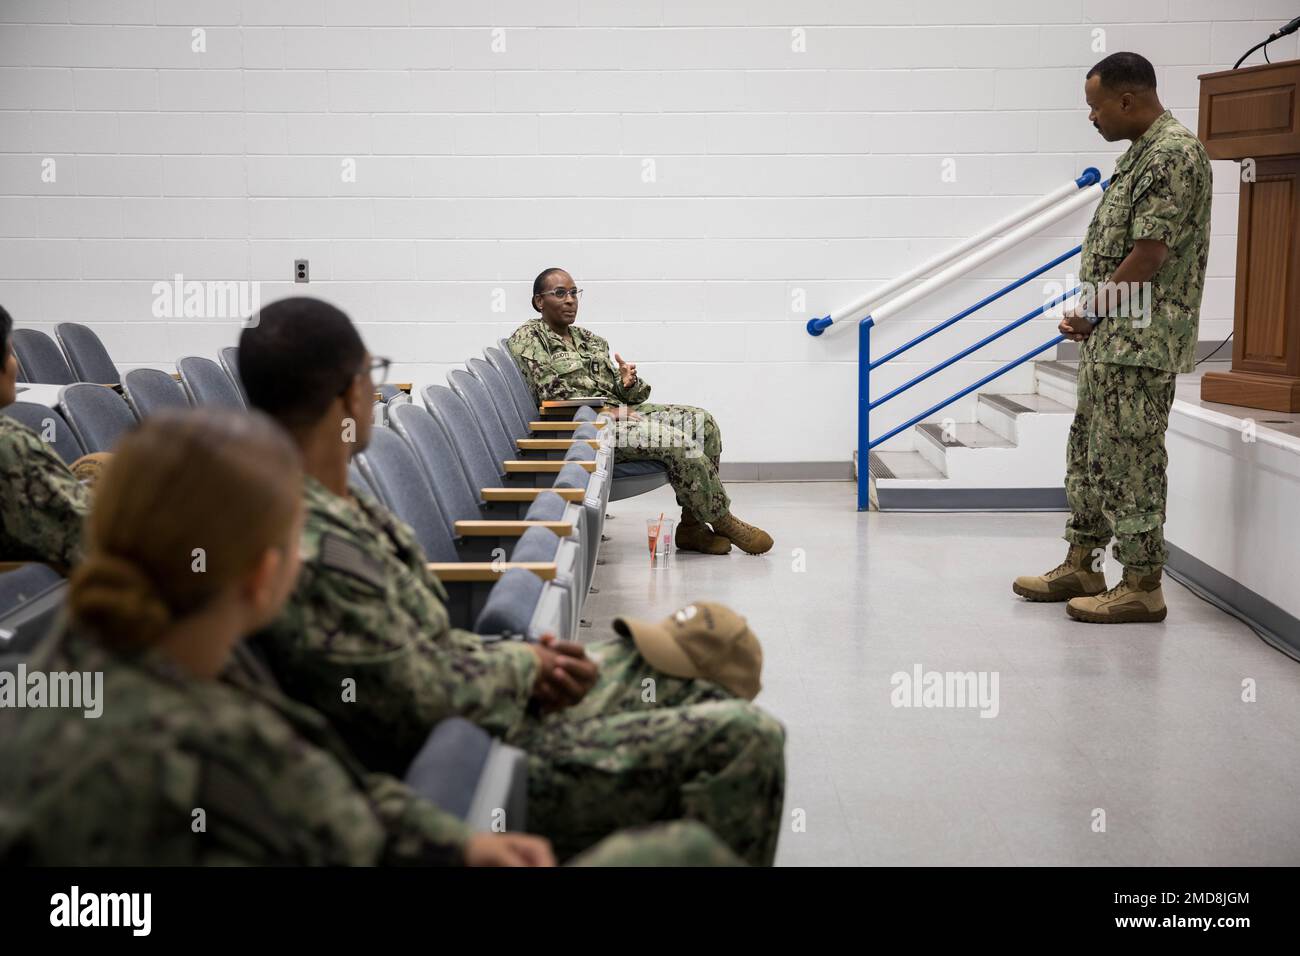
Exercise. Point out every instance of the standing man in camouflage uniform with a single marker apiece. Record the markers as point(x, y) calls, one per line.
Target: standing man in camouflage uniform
point(1151, 233)
point(562, 360)
point(366, 639)
point(42, 504)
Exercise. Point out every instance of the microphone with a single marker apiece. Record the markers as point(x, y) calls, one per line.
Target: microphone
point(1287, 30)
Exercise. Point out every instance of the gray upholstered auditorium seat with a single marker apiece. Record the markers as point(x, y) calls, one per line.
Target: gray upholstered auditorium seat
point(40, 358)
point(86, 354)
point(229, 357)
point(149, 390)
point(458, 500)
point(522, 399)
point(465, 772)
point(30, 600)
point(522, 606)
point(98, 415)
point(50, 425)
point(392, 470)
point(459, 437)
point(208, 384)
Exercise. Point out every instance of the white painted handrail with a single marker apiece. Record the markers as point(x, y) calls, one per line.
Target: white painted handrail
point(1022, 232)
point(1073, 192)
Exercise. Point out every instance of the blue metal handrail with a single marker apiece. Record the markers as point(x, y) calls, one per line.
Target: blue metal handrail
point(866, 365)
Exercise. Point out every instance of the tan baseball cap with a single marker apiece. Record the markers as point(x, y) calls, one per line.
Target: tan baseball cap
point(703, 639)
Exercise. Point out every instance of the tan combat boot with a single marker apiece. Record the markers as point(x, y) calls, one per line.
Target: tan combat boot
point(694, 535)
point(1071, 578)
point(744, 536)
point(1137, 599)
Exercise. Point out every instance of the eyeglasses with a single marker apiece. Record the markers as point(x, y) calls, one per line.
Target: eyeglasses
point(377, 369)
point(561, 294)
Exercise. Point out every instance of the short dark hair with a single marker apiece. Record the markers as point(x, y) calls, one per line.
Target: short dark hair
point(6, 330)
point(297, 357)
point(541, 278)
point(1125, 72)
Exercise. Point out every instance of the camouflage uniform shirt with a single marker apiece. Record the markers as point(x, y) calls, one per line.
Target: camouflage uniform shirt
point(556, 368)
point(42, 506)
point(273, 781)
point(367, 641)
point(1160, 190)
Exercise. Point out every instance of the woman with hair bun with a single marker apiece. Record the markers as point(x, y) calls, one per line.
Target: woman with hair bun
point(179, 751)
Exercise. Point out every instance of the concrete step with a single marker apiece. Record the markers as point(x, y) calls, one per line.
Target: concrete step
point(1006, 414)
point(1057, 381)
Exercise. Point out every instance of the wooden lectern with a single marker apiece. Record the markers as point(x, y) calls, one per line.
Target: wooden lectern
point(1252, 115)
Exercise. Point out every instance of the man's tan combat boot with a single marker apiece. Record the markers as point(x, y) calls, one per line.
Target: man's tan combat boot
point(1072, 578)
point(744, 536)
point(1137, 599)
point(694, 535)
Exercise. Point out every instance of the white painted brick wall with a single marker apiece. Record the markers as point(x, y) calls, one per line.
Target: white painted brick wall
point(493, 139)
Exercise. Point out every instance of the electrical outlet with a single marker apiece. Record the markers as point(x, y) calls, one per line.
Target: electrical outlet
point(300, 271)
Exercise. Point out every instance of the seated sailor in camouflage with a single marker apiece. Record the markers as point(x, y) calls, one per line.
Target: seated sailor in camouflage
point(1143, 270)
point(612, 740)
point(42, 505)
point(563, 360)
point(182, 751)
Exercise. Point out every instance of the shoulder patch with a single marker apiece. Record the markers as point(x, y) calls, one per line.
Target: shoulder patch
point(1142, 185)
point(338, 554)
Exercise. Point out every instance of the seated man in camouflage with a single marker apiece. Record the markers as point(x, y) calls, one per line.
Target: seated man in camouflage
point(42, 504)
point(188, 754)
point(612, 741)
point(562, 360)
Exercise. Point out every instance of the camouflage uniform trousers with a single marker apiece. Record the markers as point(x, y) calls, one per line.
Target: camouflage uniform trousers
point(1116, 461)
point(688, 442)
point(618, 760)
point(681, 843)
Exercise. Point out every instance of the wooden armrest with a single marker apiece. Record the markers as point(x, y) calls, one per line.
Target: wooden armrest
point(567, 413)
point(176, 376)
point(7, 566)
point(561, 426)
point(552, 444)
point(525, 467)
point(404, 387)
point(530, 494)
point(508, 529)
point(488, 570)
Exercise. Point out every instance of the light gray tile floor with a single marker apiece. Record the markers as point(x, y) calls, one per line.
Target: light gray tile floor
point(1142, 723)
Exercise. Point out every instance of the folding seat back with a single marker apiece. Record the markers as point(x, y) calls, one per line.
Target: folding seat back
point(503, 362)
point(149, 390)
point(437, 456)
point(31, 598)
point(499, 393)
point(523, 608)
point(463, 771)
point(51, 426)
point(207, 384)
point(451, 412)
point(229, 357)
point(392, 470)
point(86, 354)
point(98, 415)
point(475, 396)
point(40, 359)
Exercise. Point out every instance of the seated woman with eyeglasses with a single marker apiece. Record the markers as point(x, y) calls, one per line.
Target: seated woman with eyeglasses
point(177, 748)
point(562, 360)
